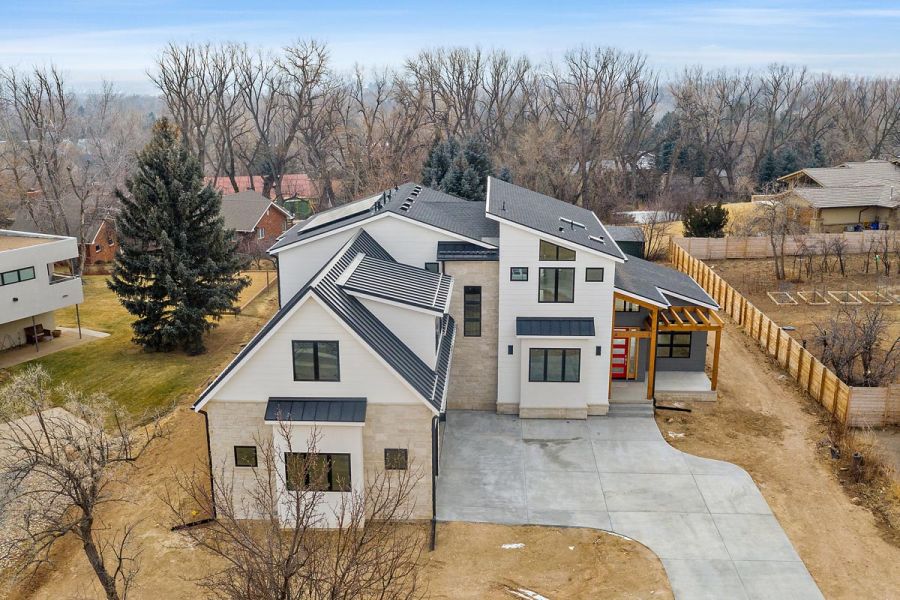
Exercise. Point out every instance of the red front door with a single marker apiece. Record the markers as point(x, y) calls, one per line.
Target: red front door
point(620, 358)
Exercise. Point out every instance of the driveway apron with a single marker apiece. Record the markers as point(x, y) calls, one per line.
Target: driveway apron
point(705, 519)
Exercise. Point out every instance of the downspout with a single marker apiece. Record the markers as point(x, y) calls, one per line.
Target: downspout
point(212, 492)
point(434, 475)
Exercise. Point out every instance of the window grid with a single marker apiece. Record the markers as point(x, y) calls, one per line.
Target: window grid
point(17, 276)
point(323, 369)
point(673, 345)
point(543, 367)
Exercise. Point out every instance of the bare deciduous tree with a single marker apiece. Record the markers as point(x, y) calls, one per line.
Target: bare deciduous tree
point(269, 533)
point(62, 467)
point(855, 344)
point(779, 218)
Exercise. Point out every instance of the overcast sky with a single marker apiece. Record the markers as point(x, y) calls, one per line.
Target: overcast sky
point(93, 40)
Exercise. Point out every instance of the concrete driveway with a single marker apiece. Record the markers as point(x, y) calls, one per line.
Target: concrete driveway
point(705, 519)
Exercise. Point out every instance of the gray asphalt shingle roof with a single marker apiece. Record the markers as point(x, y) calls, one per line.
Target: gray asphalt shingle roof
point(323, 410)
point(552, 217)
point(242, 211)
point(410, 200)
point(427, 382)
point(835, 197)
point(555, 326)
point(465, 251)
point(401, 283)
point(625, 233)
point(650, 280)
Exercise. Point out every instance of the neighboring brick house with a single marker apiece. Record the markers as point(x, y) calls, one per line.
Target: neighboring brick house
point(256, 219)
point(99, 242)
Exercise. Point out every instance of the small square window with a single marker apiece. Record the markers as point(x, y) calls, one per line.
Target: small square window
point(98, 247)
point(396, 459)
point(245, 456)
point(593, 274)
point(433, 267)
point(518, 273)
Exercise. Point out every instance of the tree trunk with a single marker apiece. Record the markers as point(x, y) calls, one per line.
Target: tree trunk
point(107, 582)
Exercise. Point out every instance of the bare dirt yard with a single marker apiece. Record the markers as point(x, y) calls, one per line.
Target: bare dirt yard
point(764, 424)
point(753, 278)
point(470, 561)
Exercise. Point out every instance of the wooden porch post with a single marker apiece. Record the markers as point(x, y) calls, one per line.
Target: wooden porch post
point(715, 365)
point(651, 371)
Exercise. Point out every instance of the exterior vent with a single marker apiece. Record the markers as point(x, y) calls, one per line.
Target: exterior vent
point(598, 239)
point(572, 224)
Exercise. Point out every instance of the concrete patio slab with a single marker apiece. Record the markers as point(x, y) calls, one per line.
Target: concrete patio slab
point(705, 519)
point(704, 579)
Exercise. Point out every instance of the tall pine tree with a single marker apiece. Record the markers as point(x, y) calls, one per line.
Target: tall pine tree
point(177, 266)
point(461, 170)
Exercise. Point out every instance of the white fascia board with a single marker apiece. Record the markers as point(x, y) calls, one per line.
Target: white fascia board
point(377, 356)
point(691, 300)
point(457, 236)
point(431, 312)
point(256, 345)
point(324, 234)
point(641, 298)
point(561, 242)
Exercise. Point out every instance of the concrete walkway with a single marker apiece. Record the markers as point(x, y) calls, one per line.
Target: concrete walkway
point(705, 519)
point(68, 339)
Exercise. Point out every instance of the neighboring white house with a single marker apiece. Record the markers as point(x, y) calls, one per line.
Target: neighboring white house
point(397, 307)
point(34, 282)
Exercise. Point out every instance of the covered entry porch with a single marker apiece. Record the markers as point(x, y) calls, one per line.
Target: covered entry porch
point(661, 351)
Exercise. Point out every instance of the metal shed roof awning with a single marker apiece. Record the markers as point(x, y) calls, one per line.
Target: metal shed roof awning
point(317, 410)
point(555, 326)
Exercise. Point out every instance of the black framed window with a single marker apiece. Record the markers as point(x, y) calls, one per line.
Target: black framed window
point(518, 273)
point(396, 459)
point(556, 284)
point(317, 472)
point(554, 365)
point(17, 276)
point(673, 345)
point(550, 251)
point(593, 274)
point(433, 267)
point(316, 361)
point(245, 456)
point(625, 306)
point(472, 311)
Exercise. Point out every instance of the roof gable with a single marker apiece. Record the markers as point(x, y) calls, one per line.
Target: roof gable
point(655, 283)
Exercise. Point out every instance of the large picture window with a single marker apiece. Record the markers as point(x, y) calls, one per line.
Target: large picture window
point(11, 277)
point(472, 311)
point(317, 472)
point(556, 285)
point(550, 251)
point(673, 345)
point(554, 364)
point(316, 361)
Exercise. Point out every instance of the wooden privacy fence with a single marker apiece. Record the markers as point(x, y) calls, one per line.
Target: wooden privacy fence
point(874, 407)
point(811, 375)
point(760, 247)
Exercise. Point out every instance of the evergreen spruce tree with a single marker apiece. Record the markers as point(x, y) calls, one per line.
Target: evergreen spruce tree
point(505, 175)
point(788, 162)
point(177, 267)
point(705, 221)
point(461, 170)
point(767, 170)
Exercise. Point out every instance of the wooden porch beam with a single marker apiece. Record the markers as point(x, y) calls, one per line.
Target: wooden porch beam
point(651, 371)
point(702, 314)
point(715, 366)
point(674, 312)
point(687, 313)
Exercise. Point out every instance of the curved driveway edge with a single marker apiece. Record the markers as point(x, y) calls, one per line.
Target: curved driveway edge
point(705, 519)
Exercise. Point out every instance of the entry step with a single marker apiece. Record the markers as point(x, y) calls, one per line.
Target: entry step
point(643, 409)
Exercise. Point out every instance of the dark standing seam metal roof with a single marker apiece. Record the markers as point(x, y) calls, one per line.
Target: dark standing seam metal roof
point(649, 280)
point(544, 214)
point(400, 283)
point(326, 410)
point(465, 251)
point(430, 384)
point(427, 206)
point(555, 326)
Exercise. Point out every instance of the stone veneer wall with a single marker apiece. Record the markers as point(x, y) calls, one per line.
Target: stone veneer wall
point(387, 426)
point(473, 370)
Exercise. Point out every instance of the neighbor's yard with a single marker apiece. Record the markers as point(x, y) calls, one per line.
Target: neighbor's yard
point(142, 380)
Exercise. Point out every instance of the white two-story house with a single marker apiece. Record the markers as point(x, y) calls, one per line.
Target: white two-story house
point(398, 307)
point(35, 280)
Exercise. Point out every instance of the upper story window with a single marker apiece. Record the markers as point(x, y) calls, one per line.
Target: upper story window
point(625, 306)
point(260, 233)
point(316, 361)
point(433, 267)
point(556, 284)
point(593, 274)
point(518, 273)
point(550, 251)
point(472, 311)
point(16, 276)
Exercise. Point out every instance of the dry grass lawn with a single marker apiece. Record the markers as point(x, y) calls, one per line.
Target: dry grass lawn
point(138, 379)
point(762, 423)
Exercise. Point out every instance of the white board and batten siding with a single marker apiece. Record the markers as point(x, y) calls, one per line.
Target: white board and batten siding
point(520, 248)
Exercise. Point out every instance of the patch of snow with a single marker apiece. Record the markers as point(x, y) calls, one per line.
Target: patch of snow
point(571, 547)
point(526, 594)
point(512, 546)
point(675, 434)
point(619, 535)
